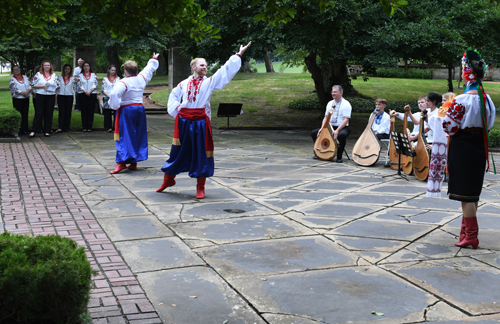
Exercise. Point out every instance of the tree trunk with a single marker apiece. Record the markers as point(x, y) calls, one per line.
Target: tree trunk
point(56, 63)
point(245, 67)
point(329, 75)
point(450, 77)
point(269, 64)
point(113, 58)
point(165, 56)
point(161, 65)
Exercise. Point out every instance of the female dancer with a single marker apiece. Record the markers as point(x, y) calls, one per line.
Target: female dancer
point(87, 96)
point(467, 121)
point(20, 89)
point(107, 85)
point(65, 94)
point(44, 83)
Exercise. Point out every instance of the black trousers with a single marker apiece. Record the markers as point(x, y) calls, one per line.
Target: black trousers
point(341, 137)
point(109, 117)
point(23, 106)
point(382, 136)
point(65, 106)
point(44, 111)
point(87, 106)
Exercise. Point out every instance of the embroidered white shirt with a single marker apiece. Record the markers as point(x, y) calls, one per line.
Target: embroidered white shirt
point(16, 87)
point(53, 83)
point(84, 84)
point(385, 124)
point(130, 90)
point(178, 98)
point(340, 113)
point(66, 89)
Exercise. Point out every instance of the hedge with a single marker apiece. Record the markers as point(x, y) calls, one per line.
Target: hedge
point(401, 73)
point(494, 135)
point(10, 120)
point(43, 279)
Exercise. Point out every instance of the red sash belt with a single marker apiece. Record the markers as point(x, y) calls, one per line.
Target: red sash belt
point(195, 114)
point(117, 119)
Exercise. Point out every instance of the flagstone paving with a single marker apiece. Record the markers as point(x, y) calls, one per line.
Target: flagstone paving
point(280, 237)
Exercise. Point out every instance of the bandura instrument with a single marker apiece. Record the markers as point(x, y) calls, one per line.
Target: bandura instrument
point(421, 159)
point(366, 151)
point(406, 161)
point(393, 154)
point(325, 147)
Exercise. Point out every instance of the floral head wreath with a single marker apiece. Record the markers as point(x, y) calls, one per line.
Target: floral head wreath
point(469, 72)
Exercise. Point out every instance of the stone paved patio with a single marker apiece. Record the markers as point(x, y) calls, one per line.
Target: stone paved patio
point(280, 238)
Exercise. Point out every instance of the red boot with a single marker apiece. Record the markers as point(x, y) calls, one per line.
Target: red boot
point(132, 166)
point(168, 181)
point(119, 167)
point(462, 230)
point(200, 187)
point(471, 231)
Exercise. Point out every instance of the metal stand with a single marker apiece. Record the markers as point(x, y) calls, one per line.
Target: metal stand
point(229, 110)
point(403, 146)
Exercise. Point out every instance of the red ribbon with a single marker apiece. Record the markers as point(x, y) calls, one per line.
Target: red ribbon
point(196, 114)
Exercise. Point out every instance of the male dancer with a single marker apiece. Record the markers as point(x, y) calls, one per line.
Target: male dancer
point(131, 134)
point(192, 147)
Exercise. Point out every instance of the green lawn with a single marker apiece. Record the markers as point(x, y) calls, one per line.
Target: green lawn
point(261, 68)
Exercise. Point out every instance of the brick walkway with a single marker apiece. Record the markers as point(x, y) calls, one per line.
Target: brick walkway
point(38, 198)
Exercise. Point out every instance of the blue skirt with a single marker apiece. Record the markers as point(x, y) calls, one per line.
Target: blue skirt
point(190, 156)
point(133, 144)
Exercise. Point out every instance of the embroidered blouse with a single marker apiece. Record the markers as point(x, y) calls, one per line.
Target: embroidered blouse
point(66, 89)
point(52, 81)
point(86, 84)
point(16, 87)
point(465, 112)
point(193, 94)
point(107, 85)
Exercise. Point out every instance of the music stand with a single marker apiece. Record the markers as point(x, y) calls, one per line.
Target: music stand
point(403, 146)
point(229, 110)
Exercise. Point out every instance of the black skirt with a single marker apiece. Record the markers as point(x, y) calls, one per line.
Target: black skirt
point(466, 166)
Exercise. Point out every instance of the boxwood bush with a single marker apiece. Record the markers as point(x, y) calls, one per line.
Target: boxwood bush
point(401, 73)
point(359, 105)
point(43, 279)
point(10, 120)
point(494, 137)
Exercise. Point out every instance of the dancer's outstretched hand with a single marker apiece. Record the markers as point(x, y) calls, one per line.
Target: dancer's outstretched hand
point(244, 48)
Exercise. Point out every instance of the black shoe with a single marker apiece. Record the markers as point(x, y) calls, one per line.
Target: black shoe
point(340, 160)
point(58, 131)
point(315, 157)
point(31, 135)
point(46, 135)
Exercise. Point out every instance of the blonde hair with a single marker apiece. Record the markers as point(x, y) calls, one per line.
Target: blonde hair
point(130, 67)
point(449, 96)
point(195, 61)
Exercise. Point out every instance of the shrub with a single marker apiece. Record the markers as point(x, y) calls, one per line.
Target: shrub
point(401, 73)
point(494, 137)
point(10, 120)
point(359, 105)
point(305, 104)
point(43, 279)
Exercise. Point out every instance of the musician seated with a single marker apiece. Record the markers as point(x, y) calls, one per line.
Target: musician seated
point(339, 120)
point(414, 118)
point(382, 124)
